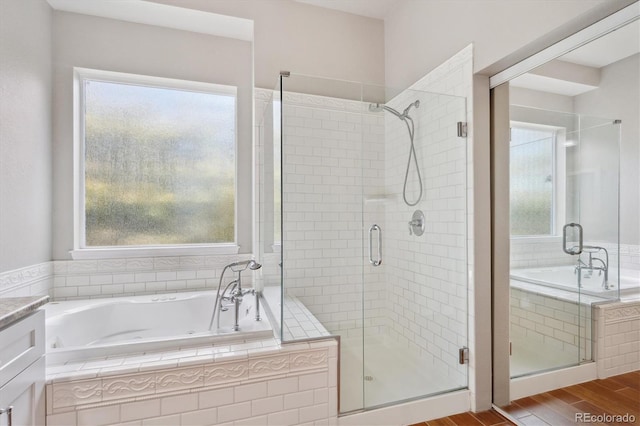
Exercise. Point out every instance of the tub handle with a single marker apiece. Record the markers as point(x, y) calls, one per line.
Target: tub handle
point(574, 249)
point(378, 261)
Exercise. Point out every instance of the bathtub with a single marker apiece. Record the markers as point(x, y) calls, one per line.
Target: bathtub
point(84, 329)
point(565, 278)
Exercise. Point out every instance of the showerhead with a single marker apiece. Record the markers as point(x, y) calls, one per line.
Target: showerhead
point(413, 104)
point(383, 107)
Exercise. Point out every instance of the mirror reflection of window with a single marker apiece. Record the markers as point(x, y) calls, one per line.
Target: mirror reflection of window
point(532, 181)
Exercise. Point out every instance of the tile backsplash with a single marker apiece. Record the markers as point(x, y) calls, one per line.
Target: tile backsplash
point(29, 281)
point(84, 279)
point(545, 252)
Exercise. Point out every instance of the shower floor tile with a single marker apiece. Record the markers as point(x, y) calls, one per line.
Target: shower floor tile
point(528, 359)
point(391, 374)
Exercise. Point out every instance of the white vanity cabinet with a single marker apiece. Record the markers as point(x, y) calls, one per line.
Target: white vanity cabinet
point(22, 372)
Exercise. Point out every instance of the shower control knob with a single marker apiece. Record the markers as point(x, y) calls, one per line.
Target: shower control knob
point(417, 223)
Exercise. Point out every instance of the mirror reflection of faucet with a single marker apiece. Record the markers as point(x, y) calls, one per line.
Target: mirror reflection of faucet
point(594, 263)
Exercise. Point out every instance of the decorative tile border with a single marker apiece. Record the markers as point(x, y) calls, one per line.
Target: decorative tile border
point(86, 393)
point(621, 312)
point(618, 342)
point(15, 280)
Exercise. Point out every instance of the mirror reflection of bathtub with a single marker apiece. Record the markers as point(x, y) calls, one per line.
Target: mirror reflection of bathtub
point(565, 278)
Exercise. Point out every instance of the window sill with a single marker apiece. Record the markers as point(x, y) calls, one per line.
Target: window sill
point(129, 252)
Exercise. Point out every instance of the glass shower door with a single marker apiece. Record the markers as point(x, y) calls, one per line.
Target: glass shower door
point(414, 217)
point(352, 265)
point(592, 229)
point(322, 220)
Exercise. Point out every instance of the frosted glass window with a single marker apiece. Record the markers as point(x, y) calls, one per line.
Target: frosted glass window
point(159, 165)
point(532, 181)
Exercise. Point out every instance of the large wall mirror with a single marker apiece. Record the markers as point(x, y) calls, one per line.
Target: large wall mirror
point(573, 194)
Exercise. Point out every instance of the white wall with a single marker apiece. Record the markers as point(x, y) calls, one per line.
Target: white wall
point(613, 99)
point(305, 39)
point(538, 99)
point(420, 35)
point(25, 133)
point(106, 44)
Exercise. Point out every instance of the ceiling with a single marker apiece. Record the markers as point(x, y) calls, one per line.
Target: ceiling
point(606, 50)
point(151, 13)
point(378, 9)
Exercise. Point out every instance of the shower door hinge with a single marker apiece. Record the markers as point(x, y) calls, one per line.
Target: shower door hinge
point(463, 355)
point(462, 129)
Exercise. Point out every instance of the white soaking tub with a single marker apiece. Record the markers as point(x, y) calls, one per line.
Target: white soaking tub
point(83, 329)
point(565, 278)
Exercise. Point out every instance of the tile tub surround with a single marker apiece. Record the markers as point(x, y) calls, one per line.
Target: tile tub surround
point(546, 324)
point(13, 309)
point(254, 382)
point(618, 337)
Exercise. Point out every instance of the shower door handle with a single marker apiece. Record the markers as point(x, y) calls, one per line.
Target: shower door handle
point(378, 261)
point(575, 249)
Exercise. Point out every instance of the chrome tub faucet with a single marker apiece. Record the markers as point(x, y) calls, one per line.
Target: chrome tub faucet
point(591, 265)
point(233, 293)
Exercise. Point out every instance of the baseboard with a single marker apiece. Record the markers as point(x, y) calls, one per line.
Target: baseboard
point(544, 382)
point(412, 412)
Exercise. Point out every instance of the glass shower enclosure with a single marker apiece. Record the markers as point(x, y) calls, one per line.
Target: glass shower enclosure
point(364, 228)
point(564, 179)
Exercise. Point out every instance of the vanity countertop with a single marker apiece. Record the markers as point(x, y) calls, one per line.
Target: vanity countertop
point(14, 308)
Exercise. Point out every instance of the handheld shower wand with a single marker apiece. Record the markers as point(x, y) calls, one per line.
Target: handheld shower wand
point(404, 116)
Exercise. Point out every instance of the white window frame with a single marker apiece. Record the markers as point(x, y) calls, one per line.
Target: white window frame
point(80, 250)
point(559, 179)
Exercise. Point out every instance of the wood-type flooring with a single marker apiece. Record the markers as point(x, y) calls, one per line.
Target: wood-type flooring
point(611, 401)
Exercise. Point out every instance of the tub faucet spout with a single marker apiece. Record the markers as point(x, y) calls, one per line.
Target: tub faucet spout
point(590, 266)
point(235, 292)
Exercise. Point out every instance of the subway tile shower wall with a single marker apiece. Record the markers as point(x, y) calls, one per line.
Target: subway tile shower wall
point(326, 163)
point(427, 274)
point(343, 164)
